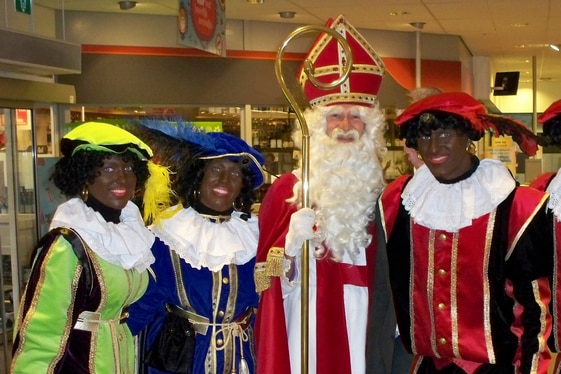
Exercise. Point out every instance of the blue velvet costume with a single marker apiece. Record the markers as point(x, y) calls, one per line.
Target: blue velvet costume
point(217, 263)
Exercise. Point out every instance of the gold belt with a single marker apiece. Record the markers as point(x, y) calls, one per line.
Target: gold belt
point(89, 321)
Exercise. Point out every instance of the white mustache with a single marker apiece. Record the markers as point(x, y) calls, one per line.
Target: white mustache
point(341, 134)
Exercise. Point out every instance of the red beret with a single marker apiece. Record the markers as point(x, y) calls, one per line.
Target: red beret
point(474, 112)
point(458, 103)
point(552, 111)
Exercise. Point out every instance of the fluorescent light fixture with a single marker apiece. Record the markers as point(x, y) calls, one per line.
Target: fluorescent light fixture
point(555, 47)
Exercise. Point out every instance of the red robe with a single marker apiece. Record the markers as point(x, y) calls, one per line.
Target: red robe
point(270, 330)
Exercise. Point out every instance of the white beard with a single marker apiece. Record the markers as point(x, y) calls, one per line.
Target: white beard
point(345, 180)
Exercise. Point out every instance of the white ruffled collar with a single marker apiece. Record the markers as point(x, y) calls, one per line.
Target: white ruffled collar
point(127, 244)
point(451, 207)
point(554, 190)
point(203, 243)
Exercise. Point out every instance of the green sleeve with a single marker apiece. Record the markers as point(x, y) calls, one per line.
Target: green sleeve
point(44, 326)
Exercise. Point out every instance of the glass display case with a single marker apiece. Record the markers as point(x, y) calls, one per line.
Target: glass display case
point(271, 132)
point(395, 163)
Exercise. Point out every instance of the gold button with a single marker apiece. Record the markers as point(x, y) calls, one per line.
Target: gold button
point(219, 342)
point(442, 236)
point(121, 337)
point(441, 306)
point(442, 341)
point(441, 272)
point(220, 313)
point(225, 280)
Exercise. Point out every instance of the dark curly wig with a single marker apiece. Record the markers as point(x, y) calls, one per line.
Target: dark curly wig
point(189, 180)
point(431, 120)
point(72, 173)
point(552, 131)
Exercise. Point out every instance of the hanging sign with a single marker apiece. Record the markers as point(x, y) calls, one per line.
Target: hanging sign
point(201, 24)
point(23, 6)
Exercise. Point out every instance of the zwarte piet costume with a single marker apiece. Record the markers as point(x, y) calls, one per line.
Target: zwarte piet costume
point(469, 258)
point(214, 256)
point(72, 313)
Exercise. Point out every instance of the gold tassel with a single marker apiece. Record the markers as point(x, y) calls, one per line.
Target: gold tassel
point(262, 281)
point(273, 266)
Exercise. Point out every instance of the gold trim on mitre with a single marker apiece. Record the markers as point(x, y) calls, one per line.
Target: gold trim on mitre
point(328, 58)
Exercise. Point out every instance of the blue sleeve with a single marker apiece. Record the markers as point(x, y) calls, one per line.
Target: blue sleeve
point(151, 306)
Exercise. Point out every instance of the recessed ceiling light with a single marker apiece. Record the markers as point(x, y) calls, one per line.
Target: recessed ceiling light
point(126, 5)
point(287, 14)
point(519, 24)
point(418, 25)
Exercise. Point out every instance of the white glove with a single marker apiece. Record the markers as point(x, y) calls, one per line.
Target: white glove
point(301, 228)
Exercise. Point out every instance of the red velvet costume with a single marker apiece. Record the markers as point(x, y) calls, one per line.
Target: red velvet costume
point(479, 294)
point(542, 183)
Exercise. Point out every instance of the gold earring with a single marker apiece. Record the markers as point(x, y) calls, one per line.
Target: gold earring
point(84, 194)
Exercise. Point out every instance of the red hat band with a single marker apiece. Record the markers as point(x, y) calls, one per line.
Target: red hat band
point(328, 58)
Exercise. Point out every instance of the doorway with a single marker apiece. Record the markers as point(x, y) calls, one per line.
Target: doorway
point(25, 149)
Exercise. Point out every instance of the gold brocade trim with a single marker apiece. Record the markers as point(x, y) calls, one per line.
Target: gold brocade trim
point(554, 288)
point(430, 291)
point(523, 227)
point(102, 302)
point(538, 297)
point(453, 296)
point(68, 326)
point(262, 280)
point(486, 287)
point(382, 218)
point(229, 314)
point(33, 307)
point(411, 286)
point(273, 264)
point(211, 357)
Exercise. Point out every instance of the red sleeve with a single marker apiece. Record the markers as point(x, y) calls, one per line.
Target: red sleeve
point(542, 181)
point(270, 330)
point(390, 203)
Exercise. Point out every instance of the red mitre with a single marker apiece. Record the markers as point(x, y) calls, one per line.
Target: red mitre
point(328, 58)
point(552, 111)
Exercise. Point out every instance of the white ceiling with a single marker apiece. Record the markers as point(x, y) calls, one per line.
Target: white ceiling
point(510, 32)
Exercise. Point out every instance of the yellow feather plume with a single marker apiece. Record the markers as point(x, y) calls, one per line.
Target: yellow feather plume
point(158, 193)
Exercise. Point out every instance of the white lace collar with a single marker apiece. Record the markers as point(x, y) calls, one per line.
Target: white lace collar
point(203, 243)
point(554, 190)
point(451, 207)
point(127, 244)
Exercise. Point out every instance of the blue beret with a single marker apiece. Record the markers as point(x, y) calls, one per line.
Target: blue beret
point(211, 145)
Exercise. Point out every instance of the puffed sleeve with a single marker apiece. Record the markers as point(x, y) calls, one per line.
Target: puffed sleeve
point(528, 269)
point(47, 310)
point(151, 306)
